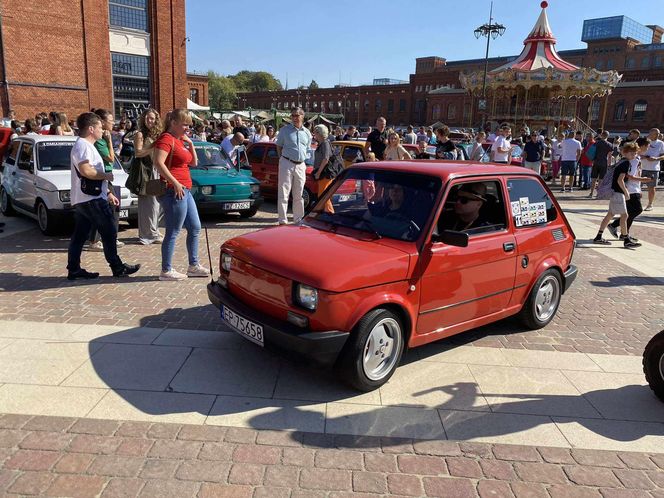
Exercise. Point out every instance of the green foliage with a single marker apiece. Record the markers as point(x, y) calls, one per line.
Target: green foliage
point(313, 85)
point(223, 90)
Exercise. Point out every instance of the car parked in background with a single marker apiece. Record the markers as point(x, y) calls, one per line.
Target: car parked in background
point(36, 182)
point(403, 265)
point(219, 186)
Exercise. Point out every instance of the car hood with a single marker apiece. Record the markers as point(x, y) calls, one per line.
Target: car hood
point(324, 260)
point(215, 176)
point(54, 180)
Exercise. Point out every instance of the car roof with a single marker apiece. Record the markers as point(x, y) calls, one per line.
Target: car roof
point(201, 142)
point(349, 142)
point(446, 170)
point(48, 138)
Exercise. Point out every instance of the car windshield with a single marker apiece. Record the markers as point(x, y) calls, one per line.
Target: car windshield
point(54, 156)
point(212, 156)
point(389, 204)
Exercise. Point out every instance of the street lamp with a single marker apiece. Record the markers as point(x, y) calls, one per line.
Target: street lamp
point(492, 31)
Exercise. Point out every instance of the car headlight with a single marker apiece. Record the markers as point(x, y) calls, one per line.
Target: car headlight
point(255, 188)
point(64, 195)
point(226, 260)
point(306, 296)
point(206, 190)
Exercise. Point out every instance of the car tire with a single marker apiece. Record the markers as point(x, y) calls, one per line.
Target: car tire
point(373, 351)
point(45, 219)
point(6, 203)
point(308, 199)
point(653, 364)
point(543, 301)
point(249, 213)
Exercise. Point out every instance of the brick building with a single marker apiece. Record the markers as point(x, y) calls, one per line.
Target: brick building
point(92, 53)
point(198, 89)
point(434, 92)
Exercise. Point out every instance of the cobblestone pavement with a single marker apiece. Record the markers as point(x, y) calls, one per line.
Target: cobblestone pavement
point(55, 456)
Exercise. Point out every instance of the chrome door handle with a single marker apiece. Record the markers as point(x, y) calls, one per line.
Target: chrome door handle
point(508, 246)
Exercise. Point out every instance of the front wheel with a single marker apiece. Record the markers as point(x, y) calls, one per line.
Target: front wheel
point(249, 213)
point(45, 219)
point(307, 199)
point(543, 301)
point(653, 364)
point(373, 351)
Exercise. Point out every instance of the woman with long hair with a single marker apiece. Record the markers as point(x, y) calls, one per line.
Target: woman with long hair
point(62, 127)
point(394, 150)
point(260, 135)
point(149, 129)
point(173, 155)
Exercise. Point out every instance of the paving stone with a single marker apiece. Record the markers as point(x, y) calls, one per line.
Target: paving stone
point(163, 448)
point(77, 486)
point(634, 479)
point(133, 446)
point(556, 455)
point(494, 489)
point(437, 448)
point(164, 431)
point(544, 473)
point(339, 459)
point(74, 463)
point(380, 462)
point(404, 484)
point(314, 440)
point(463, 467)
point(271, 492)
point(637, 461)
point(396, 445)
point(528, 490)
point(119, 487)
point(240, 435)
point(246, 473)
point(11, 437)
point(202, 433)
point(422, 465)
point(7, 477)
point(246, 453)
point(449, 486)
point(658, 460)
point(479, 450)
point(326, 479)
point(628, 493)
point(85, 443)
point(116, 466)
point(281, 476)
point(32, 483)
point(597, 458)
point(279, 438)
point(54, 441)
point(210, 490)
point(159, 468)
point(133, 429)
point(359, 443)
point(657, 477)
point(516, 453)
point(197, 470)
point(13, 421)
point(565, 491)
point(50, 424)
point(591, 476)
point(170, 488)
point(34, 460)
point(498, 469)
point(95, 426)
point(217, 451)
point(369, 482)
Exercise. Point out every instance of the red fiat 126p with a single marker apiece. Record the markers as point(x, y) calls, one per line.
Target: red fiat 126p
point(425, 250)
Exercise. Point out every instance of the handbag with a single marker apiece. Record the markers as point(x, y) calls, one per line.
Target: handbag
point(88, 186)
point(136, 179)
point(156, 186)
point(334, 166)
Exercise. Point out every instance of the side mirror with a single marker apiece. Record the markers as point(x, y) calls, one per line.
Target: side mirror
point(451, 238)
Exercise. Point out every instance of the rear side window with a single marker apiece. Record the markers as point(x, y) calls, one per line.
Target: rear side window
point(25, 157)
point(255, 154)
point(272, 156)
point(353, 154)
point(13, 152)
point(530, 205)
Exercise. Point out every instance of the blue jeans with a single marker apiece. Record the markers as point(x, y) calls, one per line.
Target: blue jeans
point(97, 214)
point(585, 175)
point(179, 213)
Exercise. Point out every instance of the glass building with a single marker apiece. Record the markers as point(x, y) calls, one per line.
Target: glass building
point(607, 28)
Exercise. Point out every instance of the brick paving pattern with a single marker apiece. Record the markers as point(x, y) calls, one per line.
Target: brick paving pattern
point(57, 456)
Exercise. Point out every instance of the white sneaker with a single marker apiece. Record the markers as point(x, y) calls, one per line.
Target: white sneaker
point(96, 246)
point(171, 275)
point(197, 271)
point(119, 243)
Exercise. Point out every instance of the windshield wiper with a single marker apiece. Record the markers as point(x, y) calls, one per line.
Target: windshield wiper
point(368, 226)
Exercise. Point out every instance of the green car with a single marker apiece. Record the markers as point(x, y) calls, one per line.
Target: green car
point(218, 186)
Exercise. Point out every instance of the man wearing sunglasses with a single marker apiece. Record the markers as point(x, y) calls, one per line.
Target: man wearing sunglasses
point(469, 200)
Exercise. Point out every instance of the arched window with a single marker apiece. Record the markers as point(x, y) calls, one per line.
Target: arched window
point(645, 62)
point(640, 108)
point(435, 112)
point(631, 63)
point(619, 113)
point(594, 110)
point(379, 105)
point(598, 65)
point(658, 61)
point(451, 112)
point(366, 105)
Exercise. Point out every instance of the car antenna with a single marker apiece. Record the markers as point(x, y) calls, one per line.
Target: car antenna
point(207, 243)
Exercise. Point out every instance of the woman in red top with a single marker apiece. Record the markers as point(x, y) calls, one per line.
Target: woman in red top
point(173, 155)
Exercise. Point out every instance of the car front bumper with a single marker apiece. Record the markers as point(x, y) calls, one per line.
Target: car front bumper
point(570, 275)
point(215, 206)
point(322, 348)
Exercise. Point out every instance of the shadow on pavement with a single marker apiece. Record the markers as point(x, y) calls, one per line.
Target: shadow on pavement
point(15, 282)
point(634, 281)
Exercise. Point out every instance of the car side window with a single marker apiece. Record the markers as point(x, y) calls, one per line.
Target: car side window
point(530, 204)
point(13, 152)
point(272, 157)
point(25, 157)
point(353, 154)
point(473, 207)
point(255, 154)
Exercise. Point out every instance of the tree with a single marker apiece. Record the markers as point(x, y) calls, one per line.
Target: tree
point(222, 91)
point(255, 81)
point(313, 85)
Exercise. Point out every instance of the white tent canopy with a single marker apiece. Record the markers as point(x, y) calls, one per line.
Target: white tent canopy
point(193, 106)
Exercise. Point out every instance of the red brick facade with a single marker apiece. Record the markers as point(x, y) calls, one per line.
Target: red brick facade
point(198, 88)
point(65, 64)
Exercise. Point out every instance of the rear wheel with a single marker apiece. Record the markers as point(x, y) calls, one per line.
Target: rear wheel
point(373, 351)
point(543, 301)
point(45, 219)
point(653, 364)
point(307, 198)
point(6, 203)
point(249, 213)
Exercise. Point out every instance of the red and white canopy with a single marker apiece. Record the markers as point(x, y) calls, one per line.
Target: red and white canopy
point(539, 49)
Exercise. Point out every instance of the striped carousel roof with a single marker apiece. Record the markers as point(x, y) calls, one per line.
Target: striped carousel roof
point(539, 49)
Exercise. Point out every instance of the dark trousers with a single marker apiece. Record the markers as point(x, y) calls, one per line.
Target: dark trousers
point(634, 208)
point(98, 214)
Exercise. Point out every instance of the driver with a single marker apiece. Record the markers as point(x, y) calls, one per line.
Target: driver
point(466, 215)
point(392, 205)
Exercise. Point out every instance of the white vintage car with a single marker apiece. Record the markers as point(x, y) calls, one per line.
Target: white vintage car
point(36, 180)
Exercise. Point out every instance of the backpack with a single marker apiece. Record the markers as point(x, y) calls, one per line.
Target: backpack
point(604, 190)
point(591, 151)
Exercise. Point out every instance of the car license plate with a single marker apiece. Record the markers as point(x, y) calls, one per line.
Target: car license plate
point(346, 197)
point(232, 206)
point(124, 213)
point(247, 328)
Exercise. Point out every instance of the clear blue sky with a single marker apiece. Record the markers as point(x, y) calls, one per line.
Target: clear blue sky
point(288, 36)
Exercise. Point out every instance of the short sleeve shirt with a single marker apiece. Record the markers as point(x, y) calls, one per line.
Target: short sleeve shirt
point(602, 151)
point(377, 140)
point(178, 158)
point(655, 149)
point(83, 151)
point(569, 148)
point(621, 168)
point(323, 151)
point(634, 186)
point(534, 151)
point(102, 147)
point(502, 143)
point(294, 142)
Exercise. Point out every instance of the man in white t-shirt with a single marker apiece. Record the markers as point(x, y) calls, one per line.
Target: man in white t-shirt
point(231, 143)
point(570, 152)
point(650, 164)
point(92, 202)
point(500, 150)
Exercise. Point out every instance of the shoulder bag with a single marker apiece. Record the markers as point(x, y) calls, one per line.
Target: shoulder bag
point(156, 186)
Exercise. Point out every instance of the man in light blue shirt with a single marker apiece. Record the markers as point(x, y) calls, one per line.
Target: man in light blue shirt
point(293, 145)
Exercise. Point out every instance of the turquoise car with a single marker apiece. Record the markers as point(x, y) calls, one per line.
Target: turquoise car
point(218, 186)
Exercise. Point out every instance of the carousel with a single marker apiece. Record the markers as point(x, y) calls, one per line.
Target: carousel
point(539, 88)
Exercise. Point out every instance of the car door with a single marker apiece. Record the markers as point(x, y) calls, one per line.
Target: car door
point(9, 173)
point(255, 155)
point(459, 284)
point(25, 191)
point(352, 154)
point(271, 163)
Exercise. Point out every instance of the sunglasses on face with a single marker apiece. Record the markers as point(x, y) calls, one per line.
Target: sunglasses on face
point(463, 199)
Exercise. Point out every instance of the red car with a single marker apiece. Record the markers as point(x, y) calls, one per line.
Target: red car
point(264, 162)
point(430, 249)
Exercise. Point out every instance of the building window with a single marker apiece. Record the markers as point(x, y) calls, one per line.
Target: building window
point(451, 112)
point(645, 62)
point(379, 105)
point(366, 105)
point(131, 84)
point(330, 105)
point(315, 104)
point(435, 112)
point(132, 14)
point(658, 61)
point(609, 64)
point(594, 110)
point(193, 95)
point(640, 108)
point(619, 113)
point(402, 105)
point(466, 111)
point(598, 65)
point(390, 106)
point(631, 63)
point(357, 104)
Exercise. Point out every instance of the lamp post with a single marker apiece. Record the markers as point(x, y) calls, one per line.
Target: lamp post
point(490, 30)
